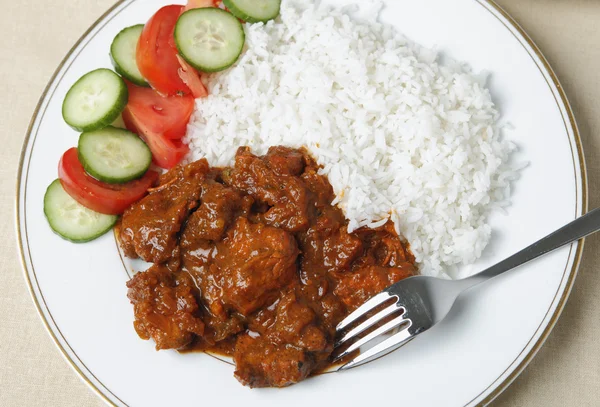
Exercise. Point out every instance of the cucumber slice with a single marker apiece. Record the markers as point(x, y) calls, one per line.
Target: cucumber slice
point(95, 100)
point(71, 220)
point(122, 54)
point(209, 39)
point(113, 155)
point(254, 11)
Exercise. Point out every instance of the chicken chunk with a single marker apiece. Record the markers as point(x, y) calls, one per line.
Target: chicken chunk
point(255, 262)
point(165, 307)
point(291, 320)
point(357, 287)
point(288, 342)
point(383, 247)
point(286, 197)
point(285, 161)
point(149, 228)
point(213, 217)
point(263, 364)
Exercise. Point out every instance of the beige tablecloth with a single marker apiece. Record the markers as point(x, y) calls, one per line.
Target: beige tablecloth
point(34, 37)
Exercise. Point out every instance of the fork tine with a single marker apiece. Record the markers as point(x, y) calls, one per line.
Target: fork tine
point(368, 323)
point(363, 309)
point(390, 344)
point(372, 335)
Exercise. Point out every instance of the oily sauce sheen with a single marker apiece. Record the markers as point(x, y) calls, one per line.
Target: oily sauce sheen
point(253, 261)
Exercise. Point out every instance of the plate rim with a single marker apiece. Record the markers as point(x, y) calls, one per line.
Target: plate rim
point(554, 83)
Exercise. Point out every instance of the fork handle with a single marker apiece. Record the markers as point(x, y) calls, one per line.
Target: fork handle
point(579, 228)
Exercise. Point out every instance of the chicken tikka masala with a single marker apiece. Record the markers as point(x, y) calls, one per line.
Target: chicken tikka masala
point(253, 261)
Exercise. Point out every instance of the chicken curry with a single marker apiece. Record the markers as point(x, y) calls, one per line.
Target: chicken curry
point(253, 261)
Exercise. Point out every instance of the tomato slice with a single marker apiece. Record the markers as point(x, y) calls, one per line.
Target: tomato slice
point(110, 199)
point(201, 4)
point(164, 115)
point(165, 153)
point(156, 53)
point(191, 78)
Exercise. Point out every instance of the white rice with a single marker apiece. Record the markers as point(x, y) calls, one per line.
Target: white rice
point(398, 134)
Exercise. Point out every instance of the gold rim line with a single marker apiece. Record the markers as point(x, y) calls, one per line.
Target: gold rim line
point(65, 355)
point(498, 388)
point(502, 386)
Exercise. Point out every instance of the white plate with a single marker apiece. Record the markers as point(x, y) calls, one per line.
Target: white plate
point(465, 361)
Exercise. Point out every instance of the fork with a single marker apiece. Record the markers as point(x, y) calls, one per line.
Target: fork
point(412, 306)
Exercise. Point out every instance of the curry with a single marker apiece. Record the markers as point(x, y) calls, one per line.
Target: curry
point(254, 261)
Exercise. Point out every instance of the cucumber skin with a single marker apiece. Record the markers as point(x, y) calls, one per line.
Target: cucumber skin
point(123, 97)
point(110, 180)
point(130, 78)
point(49, 219)
point(199, 67)
point(243, 16)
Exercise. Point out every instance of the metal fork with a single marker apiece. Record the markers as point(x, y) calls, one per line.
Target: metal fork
point(412, 306)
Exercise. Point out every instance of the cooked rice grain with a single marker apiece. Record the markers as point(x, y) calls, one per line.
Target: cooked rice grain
point(398, 134)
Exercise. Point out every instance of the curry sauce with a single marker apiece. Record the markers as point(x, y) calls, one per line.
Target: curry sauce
point(255, 262)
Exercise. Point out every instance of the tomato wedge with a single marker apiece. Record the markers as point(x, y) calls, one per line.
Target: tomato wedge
point(165, 115)
point(191, 78)
point(110, 199)
point(156, 53)
point(161, 121)
point(201, 4)
point(165, 153)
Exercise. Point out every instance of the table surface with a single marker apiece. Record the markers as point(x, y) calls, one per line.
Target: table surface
point(34, 37)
